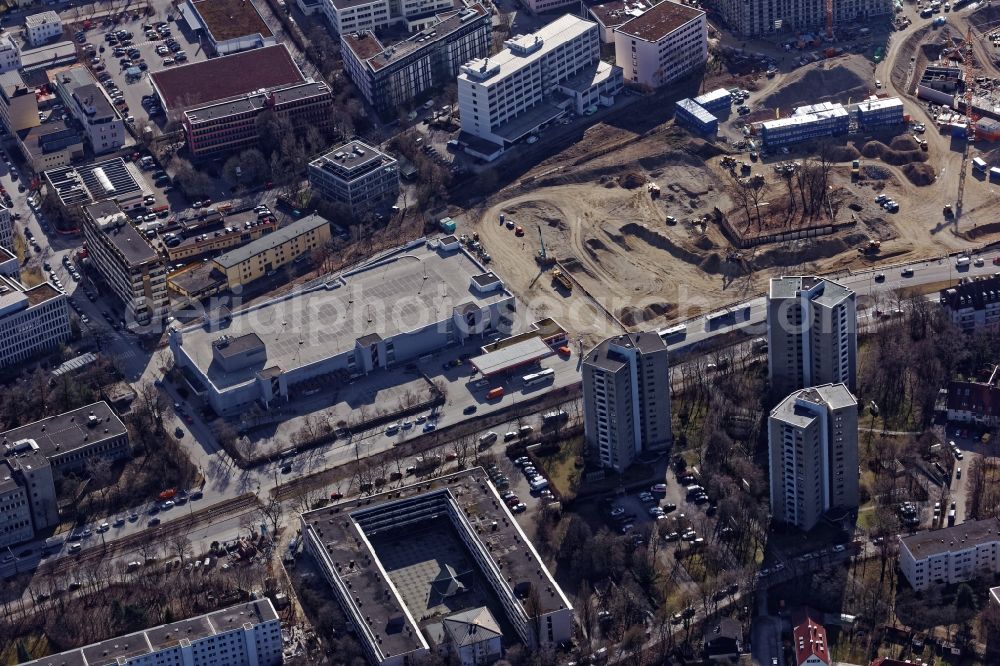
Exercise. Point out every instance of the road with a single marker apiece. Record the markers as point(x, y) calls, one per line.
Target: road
point(225, 481)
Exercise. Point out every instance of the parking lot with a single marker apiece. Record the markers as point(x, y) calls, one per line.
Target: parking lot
point(115, 59)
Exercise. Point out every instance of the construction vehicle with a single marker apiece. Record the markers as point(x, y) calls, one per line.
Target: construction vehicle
point(856, 169)
point(948, 212)
point(872, 246)
point(561, 278)
point(654, 190)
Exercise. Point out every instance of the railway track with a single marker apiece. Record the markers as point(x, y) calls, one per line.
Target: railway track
point(160, 533)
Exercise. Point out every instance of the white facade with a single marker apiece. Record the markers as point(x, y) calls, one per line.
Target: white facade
point(10, 55)
point(811, 333)
point(664, 44)
point(31, 320)
point(951, 555)
point(244, 635)
point(27, 496)
point(813, 454)
point(505, 97)
point(626, 399)
point(42, 28)
point(347, 16)
point(89, 105)
point(540, 6)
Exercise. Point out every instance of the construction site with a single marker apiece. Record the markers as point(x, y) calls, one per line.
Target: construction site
point(654, 225)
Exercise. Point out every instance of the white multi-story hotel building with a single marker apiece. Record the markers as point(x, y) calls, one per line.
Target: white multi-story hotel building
point(813, 454)
point(950, 555)
point(663, 44)
point(348, 16)
point(31, 320)
point(812, 333)
point(505, 97)
point(245, 635)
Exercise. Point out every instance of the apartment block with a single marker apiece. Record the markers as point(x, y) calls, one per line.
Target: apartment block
point(248, 634)
point(18, 104)
point(626, 399)
point(975, 402)
point(86, 102)
point(391, 76)
point(812, 334)
point(27, 496)
point(973, 305)
point(6, 229)
point(356, 175)
point(10, 54)
point(32, 320)
point(813, 454)
point(534, 80)
point(272, 251)
point(42, 28)
point(754, 18)
point(665, 43)
point(347, 16)
point(129, 265)
point(232, 125)
point(950, 555)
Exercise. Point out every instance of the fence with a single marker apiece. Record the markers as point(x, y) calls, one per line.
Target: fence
point(739, 240)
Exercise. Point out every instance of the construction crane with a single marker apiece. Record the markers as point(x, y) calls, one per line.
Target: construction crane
point(970, 120)
point(829, 18)
point(541, 253)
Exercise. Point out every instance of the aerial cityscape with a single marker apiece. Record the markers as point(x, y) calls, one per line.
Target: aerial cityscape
point(469, 332)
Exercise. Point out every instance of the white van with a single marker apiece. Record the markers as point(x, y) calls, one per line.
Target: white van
point(539, 484)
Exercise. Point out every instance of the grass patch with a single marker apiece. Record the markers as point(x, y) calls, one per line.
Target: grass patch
point(37, 645)
point(561, 467)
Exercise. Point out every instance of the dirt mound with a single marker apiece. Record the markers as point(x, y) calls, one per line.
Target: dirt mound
point(535, 211)
point(633, 316)
point(801, 252)
point(847, 77)
point(631, 180)
point(874, 149)
point(573, 265)
point(704, 243)
point(595, 244)
point(983, 230)
point(919, 174)
point(843, 153)
point(658, 240)
point(904, 143)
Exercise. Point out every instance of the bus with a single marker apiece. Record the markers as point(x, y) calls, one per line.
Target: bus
point(678, 332)
point(539, 377)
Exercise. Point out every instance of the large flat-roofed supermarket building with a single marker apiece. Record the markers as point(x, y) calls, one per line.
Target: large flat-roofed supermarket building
point(412, 301)
point(403, 563)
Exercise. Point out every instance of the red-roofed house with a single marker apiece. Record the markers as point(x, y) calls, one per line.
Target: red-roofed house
point(809, 640)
